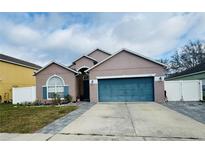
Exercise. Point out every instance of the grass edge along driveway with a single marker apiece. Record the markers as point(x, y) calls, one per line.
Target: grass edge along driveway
point(29, 119)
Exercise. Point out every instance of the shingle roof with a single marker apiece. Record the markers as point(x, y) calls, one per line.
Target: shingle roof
point(16, 61)
point(196, 69)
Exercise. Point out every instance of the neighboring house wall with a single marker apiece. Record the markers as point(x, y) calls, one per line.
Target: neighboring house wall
point(68, 77)
point(200, 76)
point(12, 75)
point(98, 55)
point(126, 63)
point(83, 62)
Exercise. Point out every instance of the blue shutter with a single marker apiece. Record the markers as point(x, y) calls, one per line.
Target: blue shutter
point(66, 90)
point(44, 92)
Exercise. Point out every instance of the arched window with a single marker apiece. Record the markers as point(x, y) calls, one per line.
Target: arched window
point(55, 85)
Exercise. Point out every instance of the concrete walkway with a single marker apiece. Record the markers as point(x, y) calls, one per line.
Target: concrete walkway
point(59, 124)
point(128, 122)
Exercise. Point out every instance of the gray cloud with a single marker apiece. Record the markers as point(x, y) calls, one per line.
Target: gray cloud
point(41, 38)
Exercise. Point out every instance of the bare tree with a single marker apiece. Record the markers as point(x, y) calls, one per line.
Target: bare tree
point(166, 62)
point(175, 63)
point(188, 56)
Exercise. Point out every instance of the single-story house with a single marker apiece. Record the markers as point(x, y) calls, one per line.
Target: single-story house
point(124, 76)
point(194, 73)
point(15, 73)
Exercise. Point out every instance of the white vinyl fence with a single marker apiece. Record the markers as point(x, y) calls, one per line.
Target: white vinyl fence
point(185, 90)
point(23, 94)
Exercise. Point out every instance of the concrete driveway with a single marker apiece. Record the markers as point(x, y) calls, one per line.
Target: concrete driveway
point(140, 121)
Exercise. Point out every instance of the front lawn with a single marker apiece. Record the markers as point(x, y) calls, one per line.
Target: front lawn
point(28, 119)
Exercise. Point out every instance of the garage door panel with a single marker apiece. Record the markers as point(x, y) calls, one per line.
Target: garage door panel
point(126, 90)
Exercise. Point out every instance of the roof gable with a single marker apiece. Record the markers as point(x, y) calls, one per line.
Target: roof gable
point(98, 50)
point(84, 56)
point(133, 53)
point(67, 68)
point(19, 62)
point(89, 57)
point(99, 55)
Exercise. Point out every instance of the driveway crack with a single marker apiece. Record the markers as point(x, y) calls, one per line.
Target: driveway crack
point(130, 117)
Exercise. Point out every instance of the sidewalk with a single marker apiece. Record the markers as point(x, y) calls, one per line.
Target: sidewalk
point(24, 137)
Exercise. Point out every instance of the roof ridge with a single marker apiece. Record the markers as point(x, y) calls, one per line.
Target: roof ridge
point(18, 61)
point(99, 50)
point(68, 68)
point(87, 55)
point(90, 57)
point(84, 56)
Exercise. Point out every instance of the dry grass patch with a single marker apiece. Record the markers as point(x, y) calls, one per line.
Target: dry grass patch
point(28, 119)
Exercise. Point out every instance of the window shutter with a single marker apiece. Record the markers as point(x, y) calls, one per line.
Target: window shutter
point(44, 92)
point(66, 90)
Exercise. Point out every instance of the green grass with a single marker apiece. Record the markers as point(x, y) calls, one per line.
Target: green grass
point(28, 119)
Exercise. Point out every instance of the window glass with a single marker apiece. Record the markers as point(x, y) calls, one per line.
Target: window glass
point(55, 86)
point(55, 81)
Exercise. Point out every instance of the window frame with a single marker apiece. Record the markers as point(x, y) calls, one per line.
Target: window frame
point(47, 85)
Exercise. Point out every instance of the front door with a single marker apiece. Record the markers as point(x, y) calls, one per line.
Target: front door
point(86, 93)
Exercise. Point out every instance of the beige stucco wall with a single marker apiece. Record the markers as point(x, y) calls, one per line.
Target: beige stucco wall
point(98, 55)
point(83, 62)
point(68, 77)
point(125, 63)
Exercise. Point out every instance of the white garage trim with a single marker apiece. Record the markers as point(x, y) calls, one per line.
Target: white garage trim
point(125, 76)
point(95, 81)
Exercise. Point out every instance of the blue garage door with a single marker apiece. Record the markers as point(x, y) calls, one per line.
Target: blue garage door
point(126, 89)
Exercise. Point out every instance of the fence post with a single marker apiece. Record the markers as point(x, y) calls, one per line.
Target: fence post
point(200, 90)
point(182, 99)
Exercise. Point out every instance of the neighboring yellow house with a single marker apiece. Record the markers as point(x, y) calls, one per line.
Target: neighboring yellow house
point(15, 73)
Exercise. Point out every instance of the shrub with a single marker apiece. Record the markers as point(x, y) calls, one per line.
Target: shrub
point(19, 104)
point(68, 98)
point(26, 103)
point(56, 99)
point(7, 102)
point(37, 102)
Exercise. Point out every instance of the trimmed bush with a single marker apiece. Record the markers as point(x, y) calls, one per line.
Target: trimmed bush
point(68, 98)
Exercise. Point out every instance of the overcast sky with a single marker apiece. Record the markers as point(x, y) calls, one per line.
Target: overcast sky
point(63, 37)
